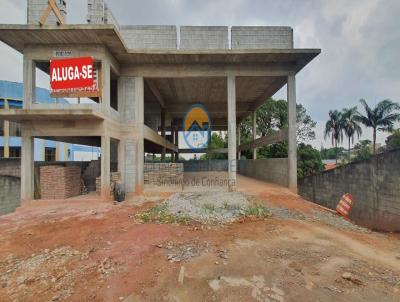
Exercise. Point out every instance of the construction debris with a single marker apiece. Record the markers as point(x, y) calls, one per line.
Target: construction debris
point(181, 275)
point(184, 251)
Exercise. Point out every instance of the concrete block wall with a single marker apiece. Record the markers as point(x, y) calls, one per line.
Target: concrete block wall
point(10, 167)
point(36, 9)
point(149, 36)
point(100, 13)
point(10, 197)
point(261, 37)
point(204, 37)
point(205, 165)
point(273, 170)
point(167, 173)
point(374, 185)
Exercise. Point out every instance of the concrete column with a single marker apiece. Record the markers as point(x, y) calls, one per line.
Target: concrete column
point(139, 97)
point(292, 143)
point(66, 152)
point(239, 154)
point(105, 167)
point(176, 141)
point(106, 82)
point(29, 79)
point(254, 133)
point(121, 159)
point(58, 149)
point(42, 149)
point(6, 126)
point(231, 131)
point(27, 167)
point(173, 141)
point(163, 132)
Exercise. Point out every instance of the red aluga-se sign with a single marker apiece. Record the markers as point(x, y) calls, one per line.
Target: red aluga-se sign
point(71, 73)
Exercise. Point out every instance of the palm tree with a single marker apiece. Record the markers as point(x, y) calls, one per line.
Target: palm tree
point(350, 125)
point(334, 128)
point(380, 118)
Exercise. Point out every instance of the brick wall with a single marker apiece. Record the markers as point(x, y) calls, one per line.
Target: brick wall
point(58, 182)
point(10, 167)
point(149, 36)
point(36, 9)
point(374, 185)
point(10, 197)
point(274, 170)
point(204, 37)
point(261, 37)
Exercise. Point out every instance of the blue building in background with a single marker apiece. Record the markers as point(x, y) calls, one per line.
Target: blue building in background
point(11, 96)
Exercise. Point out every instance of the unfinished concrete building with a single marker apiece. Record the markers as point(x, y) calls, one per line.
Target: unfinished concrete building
point(148, 81)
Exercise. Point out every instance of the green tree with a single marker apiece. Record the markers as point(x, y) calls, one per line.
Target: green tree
point(393, 140)
point(273, 116)
point(308, 160)
point(278, 150)
point(351, 125)
point(218, 141)
point(362, 149)
point(332, 153)
point(380, 118)
point(334, 128)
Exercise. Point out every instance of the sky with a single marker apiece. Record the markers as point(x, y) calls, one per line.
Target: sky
point(359, 39)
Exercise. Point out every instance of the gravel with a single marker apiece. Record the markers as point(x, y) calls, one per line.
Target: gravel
point(336, 221)
point(208, 207)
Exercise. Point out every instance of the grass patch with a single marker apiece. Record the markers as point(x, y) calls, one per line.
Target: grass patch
point(160, 215)
point(209, 207)
point(257, 210)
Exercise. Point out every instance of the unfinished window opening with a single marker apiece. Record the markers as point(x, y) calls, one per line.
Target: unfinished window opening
point(49, 154)
point(114, 91)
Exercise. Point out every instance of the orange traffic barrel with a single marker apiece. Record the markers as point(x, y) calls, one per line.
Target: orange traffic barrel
point(345, 205)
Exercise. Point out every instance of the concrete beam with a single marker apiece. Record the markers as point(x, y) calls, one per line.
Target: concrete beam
point(206, 70)
point(292, 142)
point(156, 92)
point(231, 86)
point(211, 107)
point(153, 136)
point(205, 150)
point(98, 52)
point(272, 138)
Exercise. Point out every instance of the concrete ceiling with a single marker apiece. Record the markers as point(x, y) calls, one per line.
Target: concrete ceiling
point(179, 94)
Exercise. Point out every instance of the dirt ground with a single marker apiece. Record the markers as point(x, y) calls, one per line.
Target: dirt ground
point(87, 250)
